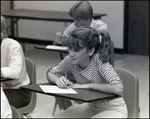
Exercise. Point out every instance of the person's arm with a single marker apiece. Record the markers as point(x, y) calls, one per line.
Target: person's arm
point(58, 74)
point(61, 81)
point(101, 26)
point(113, 89)
point(114, 85)
point(62, 37)
point(52, 77)
point(15, 64)
point(67, 32)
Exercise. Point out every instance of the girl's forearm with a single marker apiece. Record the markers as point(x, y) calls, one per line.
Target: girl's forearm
point(52, 78)
point(115, 89)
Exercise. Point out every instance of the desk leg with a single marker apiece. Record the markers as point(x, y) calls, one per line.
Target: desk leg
point(54, 109)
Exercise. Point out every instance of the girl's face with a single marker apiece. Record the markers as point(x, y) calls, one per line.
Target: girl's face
point(79, 57)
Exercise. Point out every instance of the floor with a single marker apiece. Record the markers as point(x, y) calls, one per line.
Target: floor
point(44, 59)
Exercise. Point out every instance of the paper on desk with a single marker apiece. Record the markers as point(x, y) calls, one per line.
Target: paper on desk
point(53, 47)
point(56, 89)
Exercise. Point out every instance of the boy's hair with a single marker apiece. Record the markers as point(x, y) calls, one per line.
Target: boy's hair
point(88, 37)
point(81, 10)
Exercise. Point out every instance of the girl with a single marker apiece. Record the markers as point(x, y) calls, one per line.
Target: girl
point(13, 67)
point(88, 64)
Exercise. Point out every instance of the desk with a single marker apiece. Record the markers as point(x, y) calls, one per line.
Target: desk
point(61, 52)
point(83, 94)
point(58, 16)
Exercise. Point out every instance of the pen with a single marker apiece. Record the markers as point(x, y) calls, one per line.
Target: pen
point(66, 78)
point(66, 75)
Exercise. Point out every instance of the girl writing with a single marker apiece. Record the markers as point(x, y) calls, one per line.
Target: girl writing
point(88, 64)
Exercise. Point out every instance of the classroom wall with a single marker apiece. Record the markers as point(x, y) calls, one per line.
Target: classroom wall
point(5, 5)
point(46, 30)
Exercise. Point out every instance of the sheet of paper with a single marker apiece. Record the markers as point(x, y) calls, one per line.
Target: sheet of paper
point(56, 89)
point(53, 47)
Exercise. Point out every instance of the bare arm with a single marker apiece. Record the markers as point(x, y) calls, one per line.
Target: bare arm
point(52, 77)
point(113, 89)
point(61, 82)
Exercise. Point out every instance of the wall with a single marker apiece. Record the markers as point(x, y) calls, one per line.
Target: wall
point(5, 5)
point(46, 30)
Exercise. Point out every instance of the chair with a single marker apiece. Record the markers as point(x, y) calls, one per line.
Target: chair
point(15, 112)
point(31, 69)
point(131, 91)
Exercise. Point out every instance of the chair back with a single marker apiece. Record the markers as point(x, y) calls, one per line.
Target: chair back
point(131, 91)
point(31, 70)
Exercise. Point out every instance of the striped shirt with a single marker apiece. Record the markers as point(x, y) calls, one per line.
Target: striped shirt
point(96, 72)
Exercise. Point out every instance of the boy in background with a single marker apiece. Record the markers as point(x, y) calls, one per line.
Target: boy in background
point(82, 14)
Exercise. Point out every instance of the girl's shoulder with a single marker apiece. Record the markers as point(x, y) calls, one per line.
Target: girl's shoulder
point(10, 43)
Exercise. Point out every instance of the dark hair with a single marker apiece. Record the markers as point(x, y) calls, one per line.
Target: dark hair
point(88, 37)
point(81, 10)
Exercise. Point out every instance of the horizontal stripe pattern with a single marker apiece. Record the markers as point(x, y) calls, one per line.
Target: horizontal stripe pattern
point(97, 71)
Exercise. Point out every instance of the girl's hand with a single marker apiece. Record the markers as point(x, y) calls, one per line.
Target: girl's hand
point(82, 86)
point(63, 82)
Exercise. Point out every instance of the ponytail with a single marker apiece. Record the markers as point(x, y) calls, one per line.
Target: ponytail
point(104, 46)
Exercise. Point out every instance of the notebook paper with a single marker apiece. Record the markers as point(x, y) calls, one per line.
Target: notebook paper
point(64, 48)
point(56, 89)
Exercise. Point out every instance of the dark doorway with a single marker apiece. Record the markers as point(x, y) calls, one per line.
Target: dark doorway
point(136, 39)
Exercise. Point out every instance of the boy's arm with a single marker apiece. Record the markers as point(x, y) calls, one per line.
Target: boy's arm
point(101, 26)
point(67, 32)
point(62, 37)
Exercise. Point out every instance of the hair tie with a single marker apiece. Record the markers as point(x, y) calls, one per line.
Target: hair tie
point(100, 38)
